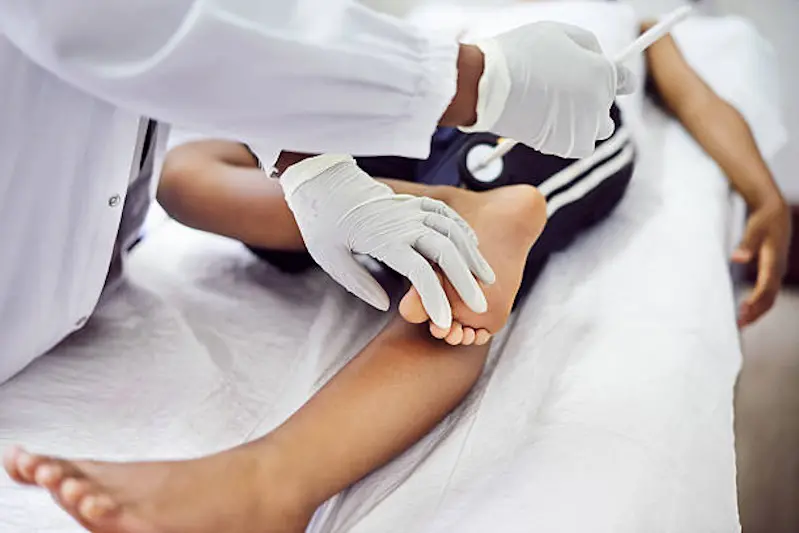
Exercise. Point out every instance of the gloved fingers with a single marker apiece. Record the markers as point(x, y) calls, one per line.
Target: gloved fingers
point(342, 266)
point(584, 132)
point(559, 131)
point(436, 206)
point(583, 135)
point(419, 271)
point(467, 247)
point(625, 80)
point(440, 250)
point(606, 127)
point(582, 37)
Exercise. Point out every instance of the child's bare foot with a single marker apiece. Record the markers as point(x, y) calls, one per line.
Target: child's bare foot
point(507, 220)
point(232, 492)
point(412, 310)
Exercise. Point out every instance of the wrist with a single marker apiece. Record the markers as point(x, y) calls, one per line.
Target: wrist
point(310, 168)
point(462, 111)
point(775, 203)
point(287, 159)
point(766, 195)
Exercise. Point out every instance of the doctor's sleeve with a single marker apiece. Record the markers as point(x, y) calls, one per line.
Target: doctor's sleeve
point(308, 75)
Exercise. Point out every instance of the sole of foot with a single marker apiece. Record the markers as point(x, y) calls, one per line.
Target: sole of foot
point(507, 221)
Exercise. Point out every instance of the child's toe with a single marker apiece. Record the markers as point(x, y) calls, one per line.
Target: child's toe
point(96, 507)
point(469, 336)
point(411, 308)
point(73, 491)
point(455, 336)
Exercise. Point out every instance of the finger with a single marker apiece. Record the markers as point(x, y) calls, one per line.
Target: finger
point(418, 270)
point(582, 37)
point(626, 81)
point(750, 242)
point(440, 250)
point(741, 256)
point(558, 136)
point(584, 133)
point(440, 208)
point(766, 288)
point(467, 248)
point(343, 267)
point(583, 145)
point(606, 128)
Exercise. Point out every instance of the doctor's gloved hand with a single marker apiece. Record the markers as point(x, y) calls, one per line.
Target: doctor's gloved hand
point(342, 211)
point(549, 86)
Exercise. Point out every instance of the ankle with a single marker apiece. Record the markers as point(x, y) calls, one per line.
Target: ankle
point(285, 493)
point(452, 196)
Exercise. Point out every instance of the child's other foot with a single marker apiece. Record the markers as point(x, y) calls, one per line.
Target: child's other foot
point(232, 492)
point(508, 221)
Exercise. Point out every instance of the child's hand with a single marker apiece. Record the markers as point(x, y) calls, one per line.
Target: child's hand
point(767, 238)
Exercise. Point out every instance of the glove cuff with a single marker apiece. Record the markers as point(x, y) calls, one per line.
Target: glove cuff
point(308, 169)
point(493, 89)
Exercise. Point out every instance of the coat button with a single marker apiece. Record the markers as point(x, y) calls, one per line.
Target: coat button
point(114, 200)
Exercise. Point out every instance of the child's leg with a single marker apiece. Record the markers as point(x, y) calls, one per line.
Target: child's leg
point(216, 186)
point(384, 400)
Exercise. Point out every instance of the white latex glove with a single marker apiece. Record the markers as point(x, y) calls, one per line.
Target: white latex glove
point(549, 86)
point(342, 211)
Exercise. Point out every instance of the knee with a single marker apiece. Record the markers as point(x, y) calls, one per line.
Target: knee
point(171, 193)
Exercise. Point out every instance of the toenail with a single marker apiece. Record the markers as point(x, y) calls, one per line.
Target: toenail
point(70, 489)
point(482, 337)
point(96, 507)
point(437, 332)
point(45, 475)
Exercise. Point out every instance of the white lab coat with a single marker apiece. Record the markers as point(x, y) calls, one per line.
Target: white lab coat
point(315, 75)
point(77, 75)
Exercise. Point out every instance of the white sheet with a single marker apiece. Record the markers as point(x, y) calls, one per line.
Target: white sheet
point(607, 406)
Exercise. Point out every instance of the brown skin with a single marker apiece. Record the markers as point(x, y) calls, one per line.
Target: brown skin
point(724, 135)
point(392, 393)
point(400, 385)
point(463, 109)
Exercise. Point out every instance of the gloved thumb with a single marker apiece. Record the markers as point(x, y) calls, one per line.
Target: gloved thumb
point(343, 267)
point(626, 81)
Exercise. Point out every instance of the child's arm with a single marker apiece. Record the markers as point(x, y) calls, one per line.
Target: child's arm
point(725, 136)
point(216, 186)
